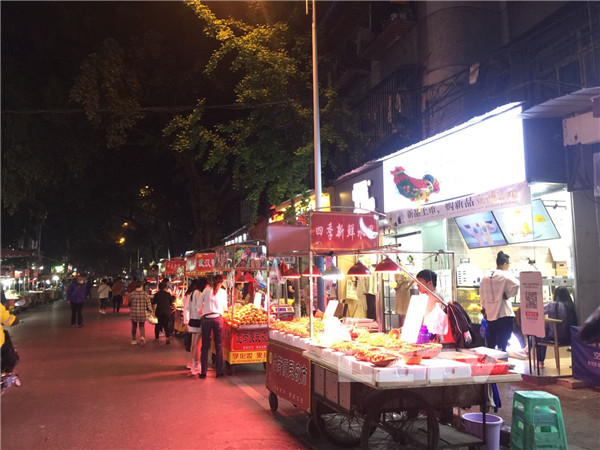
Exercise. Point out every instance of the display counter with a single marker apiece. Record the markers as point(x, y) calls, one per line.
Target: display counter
point(346, 397)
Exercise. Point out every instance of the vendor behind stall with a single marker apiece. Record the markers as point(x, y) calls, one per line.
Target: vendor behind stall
point(429, 279)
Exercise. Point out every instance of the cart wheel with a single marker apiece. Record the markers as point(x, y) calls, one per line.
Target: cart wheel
point(339, 428)
point(273, 402)
point(399, 419)
point(311, 427)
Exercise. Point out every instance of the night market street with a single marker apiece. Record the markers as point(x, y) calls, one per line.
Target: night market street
point(89, 388)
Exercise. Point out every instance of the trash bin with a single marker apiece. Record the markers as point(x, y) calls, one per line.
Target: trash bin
point(473, 423)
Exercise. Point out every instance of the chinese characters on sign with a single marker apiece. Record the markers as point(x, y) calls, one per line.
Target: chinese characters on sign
point(175, 267)
point(514, 195)
point(339, 231)
point(205, 262)
point(532, 305)
point(249, 340)
point(288, 374)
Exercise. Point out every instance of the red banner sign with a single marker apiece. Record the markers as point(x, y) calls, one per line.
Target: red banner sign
point(205, 262)
point(342, 231)
point(288, 374)
point(247, 340)
point(175, 267)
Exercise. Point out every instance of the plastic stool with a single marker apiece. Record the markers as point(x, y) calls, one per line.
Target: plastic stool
point(537, 422)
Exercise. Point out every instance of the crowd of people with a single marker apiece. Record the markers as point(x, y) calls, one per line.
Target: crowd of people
point(205, 303)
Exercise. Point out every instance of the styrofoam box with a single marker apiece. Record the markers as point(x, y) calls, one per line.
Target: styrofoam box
point(326, 354)
point(498, 354)
point(275, 335)
point(303, 343)
point(362, 367)
point(336, 357)
point(443, 369)
point(400, 372)
point(346, 362)
point(289, 339)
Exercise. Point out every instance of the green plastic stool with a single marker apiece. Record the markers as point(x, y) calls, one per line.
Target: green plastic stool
point(537, 422)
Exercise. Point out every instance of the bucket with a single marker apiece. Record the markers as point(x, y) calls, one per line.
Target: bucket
point(474, 425)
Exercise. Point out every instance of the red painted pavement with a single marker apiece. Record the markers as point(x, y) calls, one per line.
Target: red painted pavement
point(89, 388)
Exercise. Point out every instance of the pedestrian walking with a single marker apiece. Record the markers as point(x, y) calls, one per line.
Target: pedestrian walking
point(139, 310)
point(76, 296)
point(214, 303)
point(103, 294)
point(117, 294)
point(197, 287)
point(163, 310)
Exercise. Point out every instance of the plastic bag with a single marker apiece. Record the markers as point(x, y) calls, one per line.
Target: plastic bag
point(437, 321)
point(484, 330)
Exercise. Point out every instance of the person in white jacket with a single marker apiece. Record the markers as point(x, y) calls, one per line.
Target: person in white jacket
point(103, 293)
point(194, 314)
point(498, 287)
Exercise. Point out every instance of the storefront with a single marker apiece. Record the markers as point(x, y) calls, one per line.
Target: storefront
point(474, 191)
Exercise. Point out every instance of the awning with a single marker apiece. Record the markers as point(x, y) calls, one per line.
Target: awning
point(574, 103)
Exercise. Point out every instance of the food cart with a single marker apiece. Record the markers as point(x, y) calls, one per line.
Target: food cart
point(244, 328)
point(369, 402)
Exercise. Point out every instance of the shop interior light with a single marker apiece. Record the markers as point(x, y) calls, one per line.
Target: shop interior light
point(291, 274)
point(333, 273)
point(315, 272)
point(387, 266)
point(359, 270)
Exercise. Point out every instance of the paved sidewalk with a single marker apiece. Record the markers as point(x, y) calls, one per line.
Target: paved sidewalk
point(89, 388)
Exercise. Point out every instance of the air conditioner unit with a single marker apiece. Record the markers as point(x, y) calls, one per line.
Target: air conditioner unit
point(581, 129)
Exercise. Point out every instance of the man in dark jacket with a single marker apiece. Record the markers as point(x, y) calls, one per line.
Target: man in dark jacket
point(163, 309)
point(76, 297)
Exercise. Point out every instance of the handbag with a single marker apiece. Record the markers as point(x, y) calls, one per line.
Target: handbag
point(484, 330)
point(152, 319)
point(196, 323)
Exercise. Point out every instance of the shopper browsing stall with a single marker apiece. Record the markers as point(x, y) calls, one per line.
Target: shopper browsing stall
point(498, 288)
point(214, 304)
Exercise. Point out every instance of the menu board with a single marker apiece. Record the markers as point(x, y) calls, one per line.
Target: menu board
point(526, 223)
point(480, 230)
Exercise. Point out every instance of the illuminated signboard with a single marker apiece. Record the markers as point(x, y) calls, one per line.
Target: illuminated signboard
point(481, 155)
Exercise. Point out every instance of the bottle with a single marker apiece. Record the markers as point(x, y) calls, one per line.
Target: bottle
point(423, 335)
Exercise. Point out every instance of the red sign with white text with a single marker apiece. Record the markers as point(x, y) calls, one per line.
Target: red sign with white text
point(205, 262)
point(288, 374)
point(175, 267)
point(343, 231)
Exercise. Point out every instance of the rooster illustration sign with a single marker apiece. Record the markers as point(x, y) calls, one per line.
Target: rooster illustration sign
point(415, 189)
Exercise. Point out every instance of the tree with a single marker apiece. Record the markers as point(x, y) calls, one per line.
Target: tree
point(269, 148)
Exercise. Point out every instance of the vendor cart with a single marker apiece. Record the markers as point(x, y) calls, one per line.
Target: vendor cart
point(353, 402)
point(242, 343)
point(351, 409)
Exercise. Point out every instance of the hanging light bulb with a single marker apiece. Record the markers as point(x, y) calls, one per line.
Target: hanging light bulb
point(291, 274)
point(387, 266)
point(315, 272)
point(333, 273)
point(359, 270)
